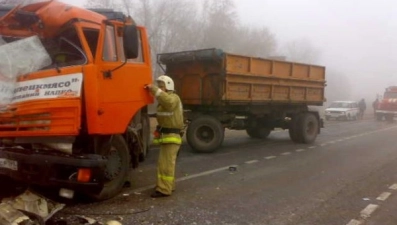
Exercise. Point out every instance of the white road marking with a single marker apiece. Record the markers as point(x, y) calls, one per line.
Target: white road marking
point(366, 213)
point(325, 144)
point(393, 187)
point(226, 168)
point(331, 142)
point(383, 196)
point(271, 157)
point(354, 222)
point(339, 140)
point(312, 147)
point(300, 150)
point(286, 153)
point(205, 173)
point(252, 161)
point(348, 138)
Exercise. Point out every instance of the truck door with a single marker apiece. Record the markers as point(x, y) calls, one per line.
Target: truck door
point(121, 79)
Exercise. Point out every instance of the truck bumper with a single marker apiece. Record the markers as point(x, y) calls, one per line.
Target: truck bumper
point(51, 169)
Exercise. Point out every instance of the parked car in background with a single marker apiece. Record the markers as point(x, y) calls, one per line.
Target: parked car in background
point(346, 110)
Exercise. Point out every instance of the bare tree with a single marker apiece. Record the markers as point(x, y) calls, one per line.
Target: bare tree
point(219, 22)
point(179, 25)
point(170, 24)
point(302, 50)
point(16, 2)
point(337, 81)
point(258, 42)
point(100, 4)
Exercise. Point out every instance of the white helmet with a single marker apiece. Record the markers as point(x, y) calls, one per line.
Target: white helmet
point(169, 83)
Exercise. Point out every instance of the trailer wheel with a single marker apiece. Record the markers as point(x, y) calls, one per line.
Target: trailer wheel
point(205, 134)
point(379, 117)
point(258, 132)
point(293, 130)
point(115, 150)
point(307, 127)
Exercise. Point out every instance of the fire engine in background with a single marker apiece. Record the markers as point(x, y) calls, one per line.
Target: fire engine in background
point(387, 107)
point(73, 107)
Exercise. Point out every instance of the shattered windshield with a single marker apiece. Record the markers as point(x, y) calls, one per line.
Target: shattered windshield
point(63, 50)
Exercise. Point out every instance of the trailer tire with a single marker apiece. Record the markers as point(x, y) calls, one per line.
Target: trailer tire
point(379, 117)
point(205, 134)
point(258, 132)
point(293, 130)
point(117, 168)
point(308, 126)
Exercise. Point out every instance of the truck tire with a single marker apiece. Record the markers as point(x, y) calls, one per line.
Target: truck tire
point(379, 117)
point(145, 134)
point(258, 132)
point(205, 134)
point(307, 126)
point(117, 169)
point(293, 130)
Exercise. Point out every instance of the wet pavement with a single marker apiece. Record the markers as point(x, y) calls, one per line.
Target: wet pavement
point(337, 180)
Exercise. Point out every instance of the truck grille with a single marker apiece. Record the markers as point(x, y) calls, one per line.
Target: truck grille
point(53, 117)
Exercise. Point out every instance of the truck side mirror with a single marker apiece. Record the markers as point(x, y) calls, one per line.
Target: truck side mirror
point(131, 42)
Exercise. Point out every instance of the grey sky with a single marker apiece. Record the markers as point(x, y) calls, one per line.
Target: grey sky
point(356, 37)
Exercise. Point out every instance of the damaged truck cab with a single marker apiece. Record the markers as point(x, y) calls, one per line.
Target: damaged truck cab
point(73, 110)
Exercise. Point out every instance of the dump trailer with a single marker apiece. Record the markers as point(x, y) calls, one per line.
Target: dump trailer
point(73, 109)
point(221, 90)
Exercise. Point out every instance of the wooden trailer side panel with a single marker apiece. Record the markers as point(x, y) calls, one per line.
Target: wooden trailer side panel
point(258, 80)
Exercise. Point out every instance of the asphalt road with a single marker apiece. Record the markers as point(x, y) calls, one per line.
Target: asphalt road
point(345, 177)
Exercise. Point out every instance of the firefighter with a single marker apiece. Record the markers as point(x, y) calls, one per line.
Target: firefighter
point(167, 134)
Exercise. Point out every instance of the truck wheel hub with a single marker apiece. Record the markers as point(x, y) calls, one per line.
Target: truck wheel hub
point(205, 134)
point(310, 128)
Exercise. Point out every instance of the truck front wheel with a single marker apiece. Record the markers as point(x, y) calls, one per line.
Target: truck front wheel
point(115, 150)
point(145, 134)
point(205, 134)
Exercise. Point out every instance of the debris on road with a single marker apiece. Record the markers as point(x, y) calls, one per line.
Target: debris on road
point(87, 220)
point(27, 207)
point(233, 168)
point(113, 222)
point(11, 216)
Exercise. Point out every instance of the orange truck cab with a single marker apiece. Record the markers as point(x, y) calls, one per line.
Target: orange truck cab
point(387, 107)
point(73, 109)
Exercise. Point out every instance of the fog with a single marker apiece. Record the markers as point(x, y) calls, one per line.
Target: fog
point(354, 39)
